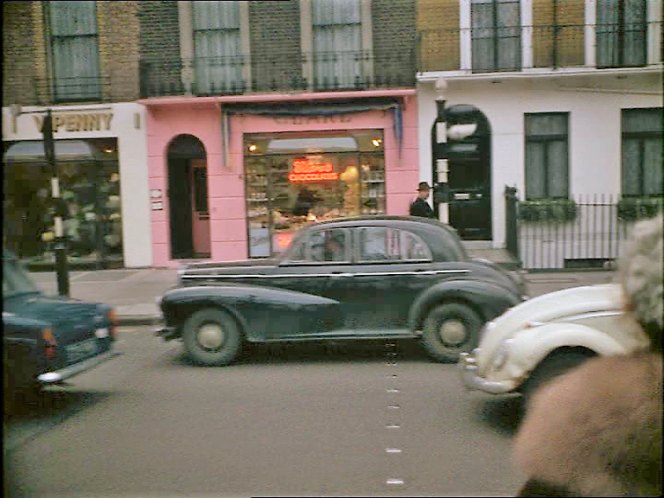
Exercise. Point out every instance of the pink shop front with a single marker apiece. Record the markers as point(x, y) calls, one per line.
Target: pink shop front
point(235, 177)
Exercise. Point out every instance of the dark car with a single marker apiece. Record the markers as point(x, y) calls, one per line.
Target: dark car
point(47, 340)
point(373, 277)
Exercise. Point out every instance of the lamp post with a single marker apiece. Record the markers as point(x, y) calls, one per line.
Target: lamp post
point(60, 248)
point(439, 166)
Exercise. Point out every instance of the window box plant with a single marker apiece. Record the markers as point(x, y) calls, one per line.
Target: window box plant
point(551, 210)
point(635, 208)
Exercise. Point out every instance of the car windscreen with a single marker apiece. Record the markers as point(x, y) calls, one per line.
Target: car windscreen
point(15, 279)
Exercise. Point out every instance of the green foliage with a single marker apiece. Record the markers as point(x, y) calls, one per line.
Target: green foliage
point(635, 208)
point(556, 210)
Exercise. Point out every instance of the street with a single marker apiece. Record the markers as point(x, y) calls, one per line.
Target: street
point(358, 419)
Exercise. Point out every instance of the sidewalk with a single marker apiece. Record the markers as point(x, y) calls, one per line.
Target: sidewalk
point(133, 291)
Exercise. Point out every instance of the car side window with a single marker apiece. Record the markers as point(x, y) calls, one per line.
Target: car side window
point(322, 246)
point(299, 252)
point(329, 245)
point(391, 244)
point(414, 248)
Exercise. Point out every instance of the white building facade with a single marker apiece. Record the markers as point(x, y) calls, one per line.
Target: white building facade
point(577, 115)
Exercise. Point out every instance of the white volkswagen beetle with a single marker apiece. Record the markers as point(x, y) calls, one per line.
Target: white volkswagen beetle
point(545, 336)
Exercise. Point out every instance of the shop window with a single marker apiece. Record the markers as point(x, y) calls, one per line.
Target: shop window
point(390, 244)
point(90, 191)
point(75, 50)
point(292, 181)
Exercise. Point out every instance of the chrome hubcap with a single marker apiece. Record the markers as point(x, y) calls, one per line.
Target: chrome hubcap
point(210, 336)
point(452, 332)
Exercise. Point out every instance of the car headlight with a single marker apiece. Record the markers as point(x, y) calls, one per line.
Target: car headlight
point(502, 355)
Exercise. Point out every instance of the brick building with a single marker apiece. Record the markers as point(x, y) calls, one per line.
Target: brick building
point(256, 107)
point(567, 96)
point(80, 60)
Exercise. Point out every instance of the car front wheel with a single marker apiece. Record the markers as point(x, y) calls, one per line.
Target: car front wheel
point(211, 337)
point(449, 330)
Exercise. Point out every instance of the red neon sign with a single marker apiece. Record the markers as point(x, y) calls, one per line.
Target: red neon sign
point(305, 171)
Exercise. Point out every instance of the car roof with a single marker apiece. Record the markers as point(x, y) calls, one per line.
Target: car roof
point(426, 223)
point(384, 217)
point(429, 228)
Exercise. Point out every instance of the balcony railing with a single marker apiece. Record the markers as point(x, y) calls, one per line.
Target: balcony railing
point(47, 91)
point(501, 49)
point(333, 71)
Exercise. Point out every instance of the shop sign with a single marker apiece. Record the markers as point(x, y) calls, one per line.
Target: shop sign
point(77, 122)
point(306, 171)
point(304, 120)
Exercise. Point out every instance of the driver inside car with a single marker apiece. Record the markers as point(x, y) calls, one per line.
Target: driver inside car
point(334, 249)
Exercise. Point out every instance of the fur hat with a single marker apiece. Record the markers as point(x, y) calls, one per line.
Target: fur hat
point(640, 273)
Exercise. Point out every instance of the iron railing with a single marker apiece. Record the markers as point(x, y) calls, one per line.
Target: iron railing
point(589, 235)
point(511, 227)
point(47, 91)
point(553, 46)
point(230, 75)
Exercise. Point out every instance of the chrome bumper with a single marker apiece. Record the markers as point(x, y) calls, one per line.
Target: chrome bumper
point(473, 382)
point(58, 376)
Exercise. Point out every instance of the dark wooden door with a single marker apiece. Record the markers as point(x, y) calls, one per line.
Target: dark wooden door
point(180, 208)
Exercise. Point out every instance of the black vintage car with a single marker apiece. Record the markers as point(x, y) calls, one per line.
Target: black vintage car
point(47, 340)
point(372, 277)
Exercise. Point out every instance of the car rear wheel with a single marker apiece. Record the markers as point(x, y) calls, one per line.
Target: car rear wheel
point(449, 330)
point(552, 366)
point(211, 337)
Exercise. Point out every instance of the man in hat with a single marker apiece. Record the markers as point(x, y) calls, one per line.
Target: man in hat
point(420, 206)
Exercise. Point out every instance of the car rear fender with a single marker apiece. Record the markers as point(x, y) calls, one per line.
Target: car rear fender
point(530, 347)
point(487, 299)
point(259, 311)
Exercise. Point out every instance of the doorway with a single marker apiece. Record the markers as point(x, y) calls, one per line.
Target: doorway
point(469, 164)
point(188, 198)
